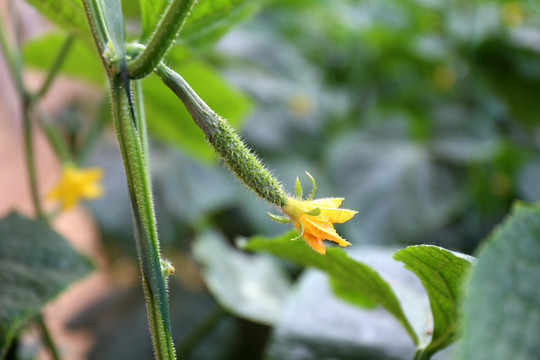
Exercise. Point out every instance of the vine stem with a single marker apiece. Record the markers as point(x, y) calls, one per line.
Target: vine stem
point(57, 64)
point(138, 178)
point(47, 338)
point(161, 39)
point(421, 354)
point(30, 160)
point(130, 127)
point(14, 62)
point(243, 162)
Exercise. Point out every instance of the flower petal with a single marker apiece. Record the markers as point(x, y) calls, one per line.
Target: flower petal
point(328, 202)
point(337, 215)
point(315, 243)
point(322, 229)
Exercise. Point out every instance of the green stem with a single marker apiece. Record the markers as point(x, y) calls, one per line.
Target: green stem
point(421, 354)
point(227, 144)
point(138, 178)
point(13, 62)
point(161, 39)
point(57, 64)
point(200, 331)
point(47, 338)
point(135, 161)
point(98, 27)
point(30, 161)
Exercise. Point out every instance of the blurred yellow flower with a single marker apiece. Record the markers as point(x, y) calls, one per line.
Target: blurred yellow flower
point(512, 14)
point(444, 77)
point(76, 184)
point(314, 219)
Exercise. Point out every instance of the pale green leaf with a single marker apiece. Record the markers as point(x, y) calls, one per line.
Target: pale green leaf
point(211, 18)
point(502, 299)
point(151, 11)
point(36, 264)
point(252, 287)
point(442, 273)
point(340, 266)
point(350, 295)
point(64, 13)
point(82, 61)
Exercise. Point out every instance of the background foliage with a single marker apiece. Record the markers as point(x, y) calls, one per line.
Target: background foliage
point(422, 114)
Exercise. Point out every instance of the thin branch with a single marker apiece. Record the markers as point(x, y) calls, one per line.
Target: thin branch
point(161, 39)
point(57, 64)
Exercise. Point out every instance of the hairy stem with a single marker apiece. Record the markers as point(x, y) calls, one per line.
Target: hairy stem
point(128, 124)
point(161, 39)
point(138, 179)
point(227, 144)
point(98, 27)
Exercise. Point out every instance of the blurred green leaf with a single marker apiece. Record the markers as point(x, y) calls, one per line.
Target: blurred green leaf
point(316, 325)
point(384, 177)
point(511, 70)
point(82, 61)
point(251, 287)
point(501, 307)
point(211, 18)
point(208, 188)
point(169, 120)
point(338, 265)
point(462, 135)
point(36, 264)
point(64, 13)
point(346, 293)
point(442, 273)
point(151, 11)
point(119, 325)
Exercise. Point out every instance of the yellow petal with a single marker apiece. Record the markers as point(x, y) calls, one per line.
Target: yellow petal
point(327, 203)
point(92, 174)
point(337, 215)
point(321, 229)
point(92, 191)
point(324, 230)
point(315, 243)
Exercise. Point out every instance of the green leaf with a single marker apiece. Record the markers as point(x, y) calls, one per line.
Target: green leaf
point(442, 273)
point(350, 295)
point(501, 308)
point(338, 265)
point(81, 61)
point(151, 11)
point(36, 264)
point(64, 13)
point(169, 120)
point(252, 287)
point(316, 324)
point(211, 18)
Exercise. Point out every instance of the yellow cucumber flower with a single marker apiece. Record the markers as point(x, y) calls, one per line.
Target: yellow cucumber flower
point(314, 219)
point(76, 184)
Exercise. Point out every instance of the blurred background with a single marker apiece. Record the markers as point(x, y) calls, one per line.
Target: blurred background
point(423, 114)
